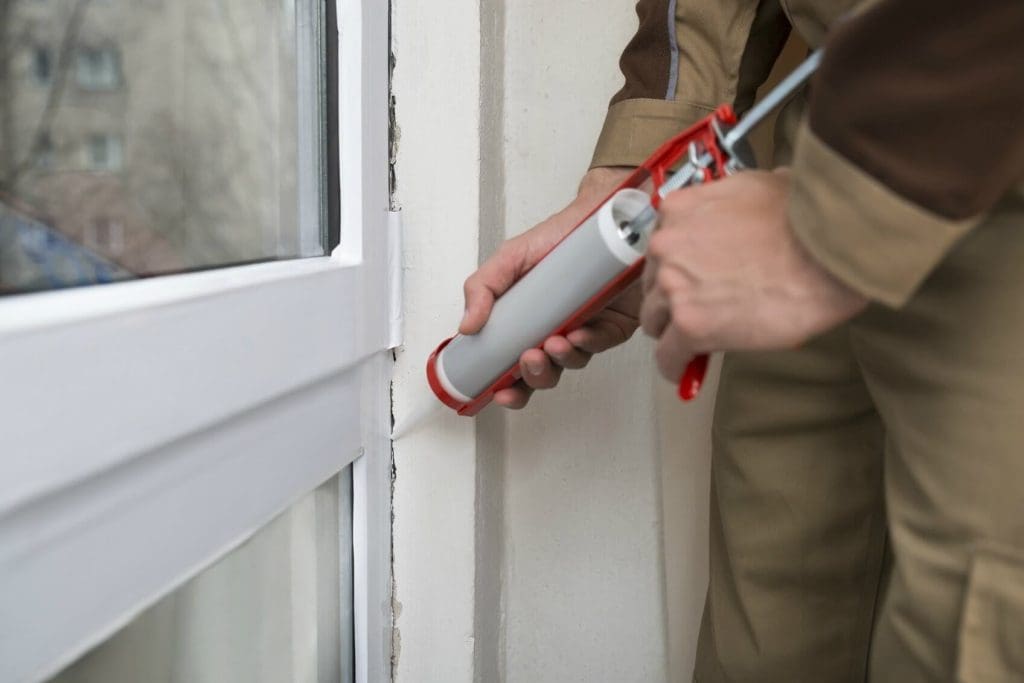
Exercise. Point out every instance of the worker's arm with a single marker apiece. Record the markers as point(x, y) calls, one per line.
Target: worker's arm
point(685, 59)
point(914, 134)
point(915, 130)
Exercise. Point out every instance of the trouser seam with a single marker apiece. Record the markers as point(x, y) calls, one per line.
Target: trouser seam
point(877, 602)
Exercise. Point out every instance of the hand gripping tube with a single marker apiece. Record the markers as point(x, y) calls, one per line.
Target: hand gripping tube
point(577, 278)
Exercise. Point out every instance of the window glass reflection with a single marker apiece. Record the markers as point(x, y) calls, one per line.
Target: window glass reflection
point(142, 137)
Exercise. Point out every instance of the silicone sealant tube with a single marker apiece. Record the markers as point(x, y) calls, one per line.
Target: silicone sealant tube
point(581, 267)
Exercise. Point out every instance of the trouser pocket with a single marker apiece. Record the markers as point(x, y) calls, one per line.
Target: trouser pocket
point(991, 648)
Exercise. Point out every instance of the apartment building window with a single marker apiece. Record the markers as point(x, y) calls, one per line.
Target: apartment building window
point(42, 65)
point(104, 152)
point(98, 68)
point(46, 153)
point(105, 236)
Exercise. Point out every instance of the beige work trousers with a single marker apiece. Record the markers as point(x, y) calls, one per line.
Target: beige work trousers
point(867, 515)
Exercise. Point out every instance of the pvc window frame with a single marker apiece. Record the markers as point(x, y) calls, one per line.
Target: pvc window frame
point(151, 426)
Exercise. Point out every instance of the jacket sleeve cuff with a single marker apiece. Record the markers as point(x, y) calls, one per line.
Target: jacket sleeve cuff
point(873, 240)
point(634, 128)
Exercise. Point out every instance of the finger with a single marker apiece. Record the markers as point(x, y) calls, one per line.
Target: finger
point(655, 313)
point(479, 302)
point(663, 249)
point(515, 397)
point(565, 354)
point(672, 354)
point(538, 371)
point(649, 277)
point(490, 281)
point(602, 333)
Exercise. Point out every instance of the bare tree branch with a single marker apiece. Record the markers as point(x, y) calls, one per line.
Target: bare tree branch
point(6, 106)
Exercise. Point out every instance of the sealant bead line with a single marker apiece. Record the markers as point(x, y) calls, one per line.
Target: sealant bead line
point(424, 408)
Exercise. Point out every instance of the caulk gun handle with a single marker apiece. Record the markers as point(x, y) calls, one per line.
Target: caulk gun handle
point(693, 377)
point(689, 383)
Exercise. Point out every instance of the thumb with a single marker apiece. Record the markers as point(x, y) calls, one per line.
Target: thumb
point(479, 301)
point(489, 282)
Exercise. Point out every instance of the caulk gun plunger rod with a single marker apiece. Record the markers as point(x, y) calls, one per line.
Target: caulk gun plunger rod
point(771, 101)
point(775, 97)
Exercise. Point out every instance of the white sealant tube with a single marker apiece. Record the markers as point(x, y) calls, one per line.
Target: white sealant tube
point(577, 270)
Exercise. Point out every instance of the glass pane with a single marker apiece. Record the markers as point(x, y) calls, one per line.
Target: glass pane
point(144, 137)
point(277, 608)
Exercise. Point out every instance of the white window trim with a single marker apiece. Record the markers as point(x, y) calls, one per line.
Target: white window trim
point(150, 426)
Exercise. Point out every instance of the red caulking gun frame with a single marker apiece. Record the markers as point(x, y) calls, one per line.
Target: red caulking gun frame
point(597, 260)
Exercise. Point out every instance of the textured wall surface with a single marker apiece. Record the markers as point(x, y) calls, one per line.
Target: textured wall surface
point(584, 591)
point(436, 82)
point(566, 542)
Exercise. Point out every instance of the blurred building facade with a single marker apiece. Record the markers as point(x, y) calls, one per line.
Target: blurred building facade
point(158, 134)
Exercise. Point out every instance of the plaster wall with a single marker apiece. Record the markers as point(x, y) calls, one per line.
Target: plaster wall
point(584, 586)
point(566, 542)
point(437, 85)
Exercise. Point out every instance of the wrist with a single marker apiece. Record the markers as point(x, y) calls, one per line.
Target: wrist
point(601, 180)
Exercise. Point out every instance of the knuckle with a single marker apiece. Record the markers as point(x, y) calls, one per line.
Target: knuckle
point(667, 280)
point(654, 325)
point(541, 382)
point(506, 399)
point(649, 313)
point(521, 397)
point(650, 271)
point(691, 325)
point(665, 362)
point(575, 362)
point(647, 325)
point(657, 245)
point(680, 200)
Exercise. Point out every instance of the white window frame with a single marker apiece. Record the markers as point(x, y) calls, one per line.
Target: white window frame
point(151, 426)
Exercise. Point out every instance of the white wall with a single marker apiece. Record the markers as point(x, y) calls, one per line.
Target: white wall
point(436, 81)
point(530, 547)
point(583, 586)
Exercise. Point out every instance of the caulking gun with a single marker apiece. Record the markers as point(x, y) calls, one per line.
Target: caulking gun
point(598, 259)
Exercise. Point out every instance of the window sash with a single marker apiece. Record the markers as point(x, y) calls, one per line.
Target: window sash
point(151, 425)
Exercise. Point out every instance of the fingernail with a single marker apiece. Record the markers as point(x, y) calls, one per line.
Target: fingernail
point(535, 368)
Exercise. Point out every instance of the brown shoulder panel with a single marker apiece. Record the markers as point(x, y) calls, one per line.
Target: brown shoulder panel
point(927, 96)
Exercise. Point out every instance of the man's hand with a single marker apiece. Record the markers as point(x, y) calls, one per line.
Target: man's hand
point(541, 369)
point(724, 272)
